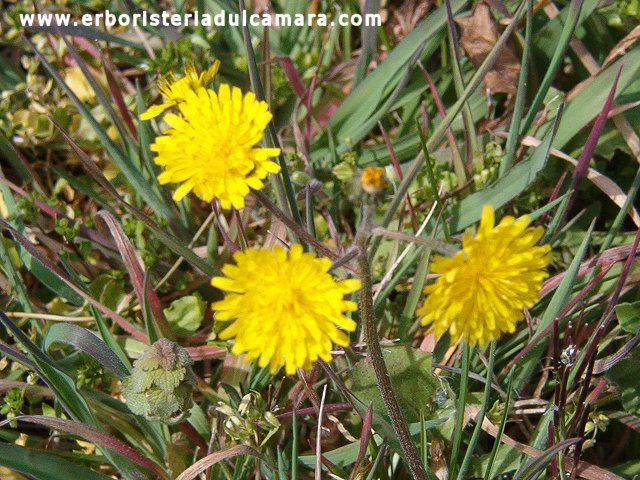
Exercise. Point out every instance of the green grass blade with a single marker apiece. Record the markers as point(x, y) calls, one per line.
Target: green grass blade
point(501, 428)
point(86, 341)
point(538, 464)
point(286, 184)
point(521, 94)
point(363, 101)
point(43, 466)
point(556, 61)
point(507, 187)
point(480, 418)
point(458, 83)
point(462, 398)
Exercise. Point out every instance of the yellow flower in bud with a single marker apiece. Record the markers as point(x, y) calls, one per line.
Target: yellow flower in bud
point(373, 180)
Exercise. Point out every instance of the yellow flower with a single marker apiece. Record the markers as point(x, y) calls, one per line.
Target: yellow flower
point(175, 91)
point(482, 289)
point(210, 147)
point(373, 180)
point(287, 308)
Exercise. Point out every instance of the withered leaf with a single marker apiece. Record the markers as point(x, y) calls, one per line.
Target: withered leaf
point(479, 35)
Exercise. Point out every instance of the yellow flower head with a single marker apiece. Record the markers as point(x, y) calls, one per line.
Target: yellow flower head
point(482, 289)
point(175, 91)
point(287, 309)
point(373, 180)
point(210, 148)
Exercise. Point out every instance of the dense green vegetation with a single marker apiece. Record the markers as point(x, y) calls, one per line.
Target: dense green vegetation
point(532, 107)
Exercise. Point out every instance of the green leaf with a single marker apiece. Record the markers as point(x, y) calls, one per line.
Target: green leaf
point(86, 341)
point(508, 187)
point(186, 314)
point(625, 374)
point(629, 316)
point(410, 372)
point(168, 380)
point(43, 465)
point(364, 101)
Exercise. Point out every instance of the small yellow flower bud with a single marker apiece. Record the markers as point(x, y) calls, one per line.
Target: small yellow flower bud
point(373, 180)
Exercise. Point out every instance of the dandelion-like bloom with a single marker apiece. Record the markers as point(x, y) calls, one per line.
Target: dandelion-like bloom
point(210, 148)
point(482, 289)
point(287, 309)
point(175, 91)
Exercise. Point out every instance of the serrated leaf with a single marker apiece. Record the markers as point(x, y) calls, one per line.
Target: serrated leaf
point(161, 405)
point(141, 380)
point(147, 362)
point(136, 401)
point(168, 380)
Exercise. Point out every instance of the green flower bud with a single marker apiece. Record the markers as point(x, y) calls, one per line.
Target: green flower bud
point(161, 384)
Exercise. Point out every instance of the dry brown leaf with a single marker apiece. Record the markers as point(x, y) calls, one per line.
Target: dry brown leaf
point(622, 46)
point(479, 35)
point(406, 16)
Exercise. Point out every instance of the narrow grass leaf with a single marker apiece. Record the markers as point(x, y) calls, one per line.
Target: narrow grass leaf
point(43, 466)
point(134, 266)
point(538, 464)
point(471, 446)
point(556, 61)
point(508, 187)
point(285, 183)
point(175, 245)
point(86, 341)
point(95, 436)
point(521, 94)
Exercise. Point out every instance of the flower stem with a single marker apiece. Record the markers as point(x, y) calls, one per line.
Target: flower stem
point(459, 427)
point(480, 417)
point(297, 229)
point(375, 352)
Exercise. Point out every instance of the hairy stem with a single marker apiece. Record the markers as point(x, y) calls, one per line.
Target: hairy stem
point(398, 421)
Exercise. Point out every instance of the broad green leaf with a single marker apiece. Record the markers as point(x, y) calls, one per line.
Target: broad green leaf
point(629, 316)
point(625, 374)
point(410, 372)
point(186, 314)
